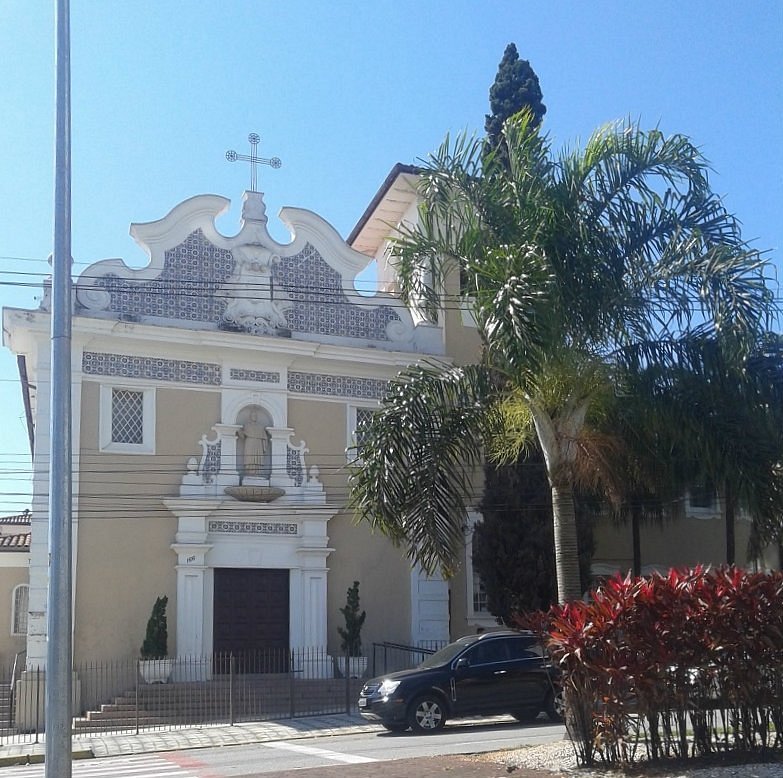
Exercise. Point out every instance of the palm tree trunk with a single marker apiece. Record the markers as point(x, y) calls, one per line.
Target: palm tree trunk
point(731, 510)
point(569, 586)
point(636, 535)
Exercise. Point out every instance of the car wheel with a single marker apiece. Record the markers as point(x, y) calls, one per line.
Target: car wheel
point(525, 715)
point(555, 705)
point(395, 726)
point(427, 714)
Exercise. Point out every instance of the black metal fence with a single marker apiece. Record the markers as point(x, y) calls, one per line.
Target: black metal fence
point(389, 657)
point(132, 696)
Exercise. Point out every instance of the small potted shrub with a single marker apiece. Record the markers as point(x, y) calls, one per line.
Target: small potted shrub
point(154, 665)
point(351, 663)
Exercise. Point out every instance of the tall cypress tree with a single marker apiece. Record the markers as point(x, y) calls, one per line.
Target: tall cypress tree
point(513, 545)
point(516, 87)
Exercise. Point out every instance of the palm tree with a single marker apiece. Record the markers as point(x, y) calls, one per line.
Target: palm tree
point(721, 422)
point(577, 265)
point(642, 482)
point(710, 421)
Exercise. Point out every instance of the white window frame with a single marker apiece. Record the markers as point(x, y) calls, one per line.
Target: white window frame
point(147, 446)
point(476, 618)
point(466, 313)
point(18, 614)
point(713, 511)
point(352, 414)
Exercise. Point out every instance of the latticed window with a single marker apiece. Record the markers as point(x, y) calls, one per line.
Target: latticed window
point(127, 416)
point(702, 496)
point(20, 608)
point(363, 419)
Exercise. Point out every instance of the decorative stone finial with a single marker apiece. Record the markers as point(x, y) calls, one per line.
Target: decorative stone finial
point(253, 207)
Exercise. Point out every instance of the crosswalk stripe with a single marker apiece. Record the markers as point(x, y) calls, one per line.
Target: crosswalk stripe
point(335, 756)
point(142, 766)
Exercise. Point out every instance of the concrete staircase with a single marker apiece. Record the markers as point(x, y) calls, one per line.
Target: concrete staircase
point(246, 698)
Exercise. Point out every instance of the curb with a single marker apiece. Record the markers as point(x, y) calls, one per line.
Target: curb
point(34, 753)
point(40, 757)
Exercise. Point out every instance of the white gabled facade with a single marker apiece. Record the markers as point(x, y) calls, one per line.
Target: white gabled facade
point(170, 363)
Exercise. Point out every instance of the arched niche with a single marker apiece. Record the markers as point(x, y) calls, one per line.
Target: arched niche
point(254, 448)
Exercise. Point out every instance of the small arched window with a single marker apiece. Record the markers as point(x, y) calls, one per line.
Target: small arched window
point(19, 610)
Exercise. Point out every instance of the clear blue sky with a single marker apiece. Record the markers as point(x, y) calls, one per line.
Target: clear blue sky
point(340, 91)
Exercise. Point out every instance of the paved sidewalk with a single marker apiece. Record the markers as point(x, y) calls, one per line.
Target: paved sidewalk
point(88, 746)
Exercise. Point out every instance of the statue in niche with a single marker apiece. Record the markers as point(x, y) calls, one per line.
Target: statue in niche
point(255, 445)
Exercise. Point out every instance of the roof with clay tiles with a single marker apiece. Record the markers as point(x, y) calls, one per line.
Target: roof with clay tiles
point(10, 538)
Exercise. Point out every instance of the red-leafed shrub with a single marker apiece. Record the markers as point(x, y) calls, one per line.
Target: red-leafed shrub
point(673, 666)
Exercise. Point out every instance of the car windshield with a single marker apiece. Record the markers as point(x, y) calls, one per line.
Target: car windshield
point(446, 654)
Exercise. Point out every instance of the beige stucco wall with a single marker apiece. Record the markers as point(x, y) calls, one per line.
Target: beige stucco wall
point(13, 571)
point(462, 342)
point(125, 532)
point(458, 605)
point(679, 542)
point(359, 554)
point(384, 583)
point(323, 425)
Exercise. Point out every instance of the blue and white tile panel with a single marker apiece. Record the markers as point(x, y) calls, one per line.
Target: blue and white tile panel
point(256, 376)
point(206, 373)
point(186, 288)
point(153, 368)
point(336, 385)
point(253, 527)
point(293, 465)
point(191, 287)
point(321, 306)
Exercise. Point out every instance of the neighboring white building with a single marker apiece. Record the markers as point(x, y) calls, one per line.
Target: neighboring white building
point(14, 588)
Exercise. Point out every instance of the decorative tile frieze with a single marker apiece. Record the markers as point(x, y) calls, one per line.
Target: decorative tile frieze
point(212, 458)
point(321, 306)
point(154, 368)
point(293, 465)
point(336, 385)
point(202, 283)
point(258, 376)
point(193, 272)
point(253, 527)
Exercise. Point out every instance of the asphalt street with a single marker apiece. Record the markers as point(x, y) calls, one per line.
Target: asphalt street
point(358, 753)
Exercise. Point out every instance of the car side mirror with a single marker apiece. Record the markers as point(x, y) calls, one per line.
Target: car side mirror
point(463, 663)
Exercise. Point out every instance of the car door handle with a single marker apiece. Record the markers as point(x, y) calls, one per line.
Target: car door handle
point(500, 672)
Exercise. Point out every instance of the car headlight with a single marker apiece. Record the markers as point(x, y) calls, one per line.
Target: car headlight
point(387, 687)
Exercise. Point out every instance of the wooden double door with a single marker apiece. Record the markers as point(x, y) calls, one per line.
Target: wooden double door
point(251, 620)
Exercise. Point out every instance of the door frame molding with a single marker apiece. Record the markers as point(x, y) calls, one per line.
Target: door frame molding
point(229, 533)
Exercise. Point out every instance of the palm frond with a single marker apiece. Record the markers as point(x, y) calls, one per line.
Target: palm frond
point(415, 475)
point(614, 265)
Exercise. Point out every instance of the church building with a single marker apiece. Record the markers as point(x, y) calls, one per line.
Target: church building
point(217, 394)
point(216, 398)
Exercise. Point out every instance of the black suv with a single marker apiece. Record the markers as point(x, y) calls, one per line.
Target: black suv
point(488, 674)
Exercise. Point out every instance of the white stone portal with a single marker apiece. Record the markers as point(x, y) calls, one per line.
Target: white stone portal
point(249, 501)
point(226, 533)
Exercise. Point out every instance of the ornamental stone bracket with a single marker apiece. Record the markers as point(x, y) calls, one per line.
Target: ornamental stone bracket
point(221, 472)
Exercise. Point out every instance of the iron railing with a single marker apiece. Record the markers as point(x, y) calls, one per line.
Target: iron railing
point(390, 657)
point(114, 697)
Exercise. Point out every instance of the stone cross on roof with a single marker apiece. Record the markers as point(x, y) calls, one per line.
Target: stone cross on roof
point(253, 159)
